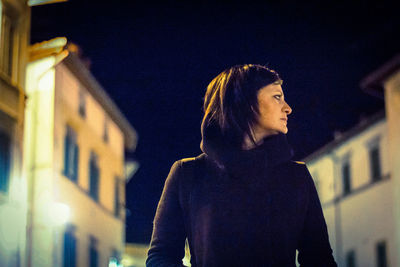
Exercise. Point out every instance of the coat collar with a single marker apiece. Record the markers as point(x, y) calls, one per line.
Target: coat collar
point(238, 162)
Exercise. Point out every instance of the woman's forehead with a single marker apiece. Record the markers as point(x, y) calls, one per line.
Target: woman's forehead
point(272, 88)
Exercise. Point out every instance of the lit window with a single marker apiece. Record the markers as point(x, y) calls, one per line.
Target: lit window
point(69, 257)
point(71, 154)
point(346, 177)
point(381, 254)
point(94, 176)
point(4, 161)
point(93, 253)
point(375, 164)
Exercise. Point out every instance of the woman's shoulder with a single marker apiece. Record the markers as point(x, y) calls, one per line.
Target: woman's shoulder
point(295, 171)
point(191, 161)
point(294, 165)
point(188, 166)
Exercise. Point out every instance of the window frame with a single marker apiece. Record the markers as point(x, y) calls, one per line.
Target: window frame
point(94, 176)
point(375, 163)
point(82, 108)
point(70, 236)
point(117, 197)
point(106, 137)
point(71, 154)
point(93, 252)
point(8, 49)
point(7, 128)
point(6, 176)
point(381, 250)
point(351, 256)
point(346, 181)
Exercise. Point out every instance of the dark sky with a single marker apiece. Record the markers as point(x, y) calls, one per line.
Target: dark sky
point(155, 60)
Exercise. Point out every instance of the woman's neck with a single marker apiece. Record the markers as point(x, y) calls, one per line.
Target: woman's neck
point(258, 137)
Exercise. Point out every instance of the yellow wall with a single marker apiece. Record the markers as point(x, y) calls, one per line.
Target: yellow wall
point(53, 97)
point(90, 217)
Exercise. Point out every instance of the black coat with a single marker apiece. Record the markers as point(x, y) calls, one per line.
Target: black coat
point(253, 208)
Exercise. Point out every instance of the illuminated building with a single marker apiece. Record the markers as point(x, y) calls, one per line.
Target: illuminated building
point(75, 137)
point(135, 255)
point(385, 83)
point(14, 41)
point(358, 180)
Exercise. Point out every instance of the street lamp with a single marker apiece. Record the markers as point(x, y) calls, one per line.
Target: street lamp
point(59, 213)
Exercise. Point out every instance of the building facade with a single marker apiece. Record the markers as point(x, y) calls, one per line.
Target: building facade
point(135, 255)
point(384, 83)
point(14, 42)
point(353, 180)
point(75, 138)
point(358, 180)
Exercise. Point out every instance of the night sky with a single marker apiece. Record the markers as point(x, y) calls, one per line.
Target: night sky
point(155, 60)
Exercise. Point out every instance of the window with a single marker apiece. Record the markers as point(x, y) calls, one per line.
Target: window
point(351, 259)
point(7, 32)
point(381, 254)
point(93, 253)
point(346, 177)
point(117, 204)
point(5, 157)
point(94, 176)
point(71, 154)
point(69, 259)
point(82, 104)
point(375, 164)
point(105, 130)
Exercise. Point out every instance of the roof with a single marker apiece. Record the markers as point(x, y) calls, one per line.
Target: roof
point(345, 136)
point(48, 48)
point(72, 61)
point(373, 83)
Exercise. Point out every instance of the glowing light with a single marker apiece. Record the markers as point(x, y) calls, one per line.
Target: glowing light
point(11, 222)
point(59, 213)
point(114, 263)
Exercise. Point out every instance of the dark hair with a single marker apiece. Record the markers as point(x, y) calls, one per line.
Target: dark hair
point(231, 99)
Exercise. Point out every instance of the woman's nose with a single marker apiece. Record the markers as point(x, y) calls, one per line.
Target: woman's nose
point(287, 109)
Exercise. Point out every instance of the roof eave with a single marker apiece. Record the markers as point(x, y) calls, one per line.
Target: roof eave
point(329, 147)
point(373, 84)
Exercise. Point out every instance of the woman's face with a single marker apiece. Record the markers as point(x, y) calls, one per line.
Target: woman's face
point(273, 111)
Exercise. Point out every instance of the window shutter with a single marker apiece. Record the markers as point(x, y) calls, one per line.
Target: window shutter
point(76, 162)
point(96, 182)
point(66, 154)
point(4, 161)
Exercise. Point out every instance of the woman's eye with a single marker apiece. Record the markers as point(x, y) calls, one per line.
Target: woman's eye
point(277, 97)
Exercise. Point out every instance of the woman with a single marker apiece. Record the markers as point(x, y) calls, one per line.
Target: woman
point(242, 202)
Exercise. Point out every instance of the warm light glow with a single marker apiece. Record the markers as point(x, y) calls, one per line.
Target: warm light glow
point(10, 221)
point(59, 213)
point(44, 2)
